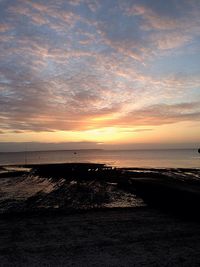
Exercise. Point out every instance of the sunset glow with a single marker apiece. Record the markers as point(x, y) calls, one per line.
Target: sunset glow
point(102, 72)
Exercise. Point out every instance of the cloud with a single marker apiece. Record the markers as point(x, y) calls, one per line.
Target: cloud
point(93, 5)
point(161, 114)
point(42, 14)
point(5, 27)
point(82, 119)
point(77, 65)
point(75, 2)
point(87, 99)
point(170, 40)
point(169, 25)
point(142, 130)
point(136, 130)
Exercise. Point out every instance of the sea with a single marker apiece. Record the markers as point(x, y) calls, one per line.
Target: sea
point(168, 158)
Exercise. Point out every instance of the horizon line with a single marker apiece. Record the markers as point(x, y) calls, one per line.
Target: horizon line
point(96, 149)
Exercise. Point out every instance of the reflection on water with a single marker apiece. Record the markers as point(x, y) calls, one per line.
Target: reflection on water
point(188, 158)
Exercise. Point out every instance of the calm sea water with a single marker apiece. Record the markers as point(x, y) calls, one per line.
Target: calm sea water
point(187, 158)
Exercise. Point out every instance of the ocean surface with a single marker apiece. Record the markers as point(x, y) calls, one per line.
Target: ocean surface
point(171, 158)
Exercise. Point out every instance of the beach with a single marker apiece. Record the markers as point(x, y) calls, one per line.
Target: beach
point(97, 215)
point(136, 237)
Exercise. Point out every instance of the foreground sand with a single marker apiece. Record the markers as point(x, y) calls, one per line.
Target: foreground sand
point(126, 237)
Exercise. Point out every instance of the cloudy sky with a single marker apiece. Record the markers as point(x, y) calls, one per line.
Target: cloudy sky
point(100, 71)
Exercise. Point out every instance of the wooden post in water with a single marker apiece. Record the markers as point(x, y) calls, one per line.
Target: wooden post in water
point(25, 155)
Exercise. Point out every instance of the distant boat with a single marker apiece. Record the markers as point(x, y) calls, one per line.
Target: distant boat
point(75, 153)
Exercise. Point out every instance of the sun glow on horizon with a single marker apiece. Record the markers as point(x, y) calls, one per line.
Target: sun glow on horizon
point(113, 135)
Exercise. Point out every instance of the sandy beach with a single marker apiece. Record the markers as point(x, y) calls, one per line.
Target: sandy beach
point(58, 223)
point(137, 237)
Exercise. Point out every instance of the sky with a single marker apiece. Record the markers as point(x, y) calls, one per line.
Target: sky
point(99, 73)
